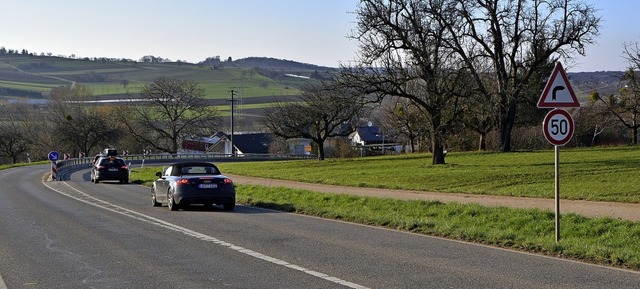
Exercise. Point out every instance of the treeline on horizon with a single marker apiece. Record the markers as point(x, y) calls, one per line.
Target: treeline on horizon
point(214, 61)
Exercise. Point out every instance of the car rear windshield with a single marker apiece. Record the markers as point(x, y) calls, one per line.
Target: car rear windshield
point(112, 162)
point(200, 170)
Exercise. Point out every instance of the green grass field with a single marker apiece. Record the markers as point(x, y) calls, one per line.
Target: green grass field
point(594, 174)
point(600, 174)
point(40, 74)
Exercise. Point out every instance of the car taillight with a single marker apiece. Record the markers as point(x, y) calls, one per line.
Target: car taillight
point(124, 167)
point(228, 181)
point(100, 168)
point(182, 181)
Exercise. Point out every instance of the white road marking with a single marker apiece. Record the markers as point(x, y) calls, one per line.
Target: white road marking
point(82, 197)
point(2, 285)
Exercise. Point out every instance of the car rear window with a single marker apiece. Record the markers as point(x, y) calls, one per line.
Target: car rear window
point(200, 170)
point(114, 162)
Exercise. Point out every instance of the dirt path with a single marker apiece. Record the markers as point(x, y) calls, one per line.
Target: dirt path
point(624, 211)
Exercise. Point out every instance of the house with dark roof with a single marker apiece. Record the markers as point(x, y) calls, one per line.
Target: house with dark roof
point(243, 143)
point(252, 143)
point(220, 143)
point(372, 138)
point(217, 143)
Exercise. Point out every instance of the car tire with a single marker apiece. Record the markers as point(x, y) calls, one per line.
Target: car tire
point(154, 201)
point(95, 180)
point(229, 206)
point(172, 203)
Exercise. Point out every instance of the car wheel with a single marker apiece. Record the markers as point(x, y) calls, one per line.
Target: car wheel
point(154, 201)
point(229, 206)
point(95, 180)
point(171, 202)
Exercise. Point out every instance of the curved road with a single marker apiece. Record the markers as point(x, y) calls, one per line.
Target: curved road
point(76, 234)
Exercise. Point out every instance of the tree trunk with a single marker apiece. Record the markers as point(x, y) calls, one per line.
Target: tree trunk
point(320, 150)
point(506, 126)
point(438, 150)
point(635, 135)
point(482, 142)
point(413, 145)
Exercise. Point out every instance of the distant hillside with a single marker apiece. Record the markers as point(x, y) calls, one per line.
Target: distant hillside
point(30, 76)
point(272, 67)
point(605, 82)
point(273, 63)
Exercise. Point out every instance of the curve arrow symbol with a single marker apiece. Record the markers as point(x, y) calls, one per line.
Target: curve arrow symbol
point(555, 90)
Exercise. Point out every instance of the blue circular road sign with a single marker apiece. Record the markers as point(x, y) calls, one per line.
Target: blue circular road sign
point(54, 156)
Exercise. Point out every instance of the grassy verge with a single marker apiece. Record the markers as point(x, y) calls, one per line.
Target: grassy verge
point(4, 167)
point(601, 174)
point(598, 240)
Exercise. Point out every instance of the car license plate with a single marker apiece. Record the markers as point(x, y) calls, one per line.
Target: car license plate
point(113, 169)
point(207, 186)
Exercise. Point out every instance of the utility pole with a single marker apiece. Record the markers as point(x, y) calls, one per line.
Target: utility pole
point(232, 100)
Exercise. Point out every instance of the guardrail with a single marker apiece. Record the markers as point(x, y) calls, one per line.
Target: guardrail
point(65, 166)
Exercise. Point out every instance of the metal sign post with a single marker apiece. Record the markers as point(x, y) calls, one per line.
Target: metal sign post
point(558, 124)
point(558, 129)
point(53, 157)
point(557, 191)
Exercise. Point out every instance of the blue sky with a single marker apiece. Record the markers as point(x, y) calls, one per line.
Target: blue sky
point(309, 31)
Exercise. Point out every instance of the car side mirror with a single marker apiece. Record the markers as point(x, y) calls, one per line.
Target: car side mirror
point(159, 174)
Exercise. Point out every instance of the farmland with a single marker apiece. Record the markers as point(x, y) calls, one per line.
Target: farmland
point(25, 77)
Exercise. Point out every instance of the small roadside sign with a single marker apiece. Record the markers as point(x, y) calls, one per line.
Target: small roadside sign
point(54, 156)
point(558, 127)
point(558, 91)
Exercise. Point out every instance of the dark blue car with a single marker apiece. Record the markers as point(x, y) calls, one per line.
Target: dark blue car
point(183, 184)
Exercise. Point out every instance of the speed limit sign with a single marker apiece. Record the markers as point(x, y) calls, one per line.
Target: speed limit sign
point(558, 127)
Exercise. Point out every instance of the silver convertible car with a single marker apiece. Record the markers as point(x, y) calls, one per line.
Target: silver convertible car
point(183, 184)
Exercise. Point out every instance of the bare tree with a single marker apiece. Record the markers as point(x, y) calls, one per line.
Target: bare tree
point(480, 118)
point(625, 107)
point(593, 119)
point(87, 130)
point(518, 38)
point(406, 119)
point(15, 134)
point(80, 127)
point(322, 111)
point(171, 109)
point(405, 52)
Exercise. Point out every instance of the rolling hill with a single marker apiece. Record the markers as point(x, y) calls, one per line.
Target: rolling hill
point(32, 77)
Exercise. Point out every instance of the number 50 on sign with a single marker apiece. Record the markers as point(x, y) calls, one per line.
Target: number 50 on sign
point(558, 127)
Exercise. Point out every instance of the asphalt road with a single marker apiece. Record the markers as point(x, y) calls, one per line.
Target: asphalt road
point(76, 234)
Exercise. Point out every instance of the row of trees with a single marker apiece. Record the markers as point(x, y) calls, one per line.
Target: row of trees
point(443, 68)
point(447, 55)
point(170, 109)
point(145, 59)
point(473, 62)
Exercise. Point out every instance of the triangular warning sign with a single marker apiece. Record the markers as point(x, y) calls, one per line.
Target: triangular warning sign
point(558, 91)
